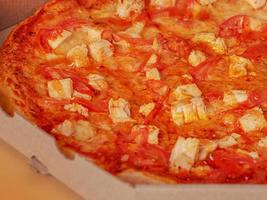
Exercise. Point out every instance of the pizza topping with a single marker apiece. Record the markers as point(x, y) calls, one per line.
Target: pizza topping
point(152, 74)
point(146, 108)
point(135, 30)
point(83, 130)
point(187, 91)
point(206, 2)
point(125, 8)
point(93, 33)
point(145, 134)
point(163, 3)
point(188, 111)
point(206, 148)
point(255, 24)
point(238, 66)
point(79, 55)
point(227, 141)
point(65, 128)
point(196, 57)
point(263, 142)
point(100, 50)
point(74, 107)
point(256, 4)
point(119, 110)
point(235, 96)
point(252, 154)
point(81, 95)
point(217, 44)
point(152, 60)
point(54, 43)
point(253, 120)
point(184, 153)
point(97, 81)
point(60, 89)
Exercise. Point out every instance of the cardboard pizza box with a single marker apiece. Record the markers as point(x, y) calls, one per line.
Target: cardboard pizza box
point(84, 177)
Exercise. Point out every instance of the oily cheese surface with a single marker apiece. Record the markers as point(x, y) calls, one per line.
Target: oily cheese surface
point(152, 91)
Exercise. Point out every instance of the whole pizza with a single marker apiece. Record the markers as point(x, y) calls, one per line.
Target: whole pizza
point(170, 91)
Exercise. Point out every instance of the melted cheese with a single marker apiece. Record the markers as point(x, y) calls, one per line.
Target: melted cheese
point(57, 41)
point(187, 91)
point(196, 57)
point(100, 50)
point(60, 89)
point(79, 55)
point(146, 109)
point(119, 110)
point(97, 81)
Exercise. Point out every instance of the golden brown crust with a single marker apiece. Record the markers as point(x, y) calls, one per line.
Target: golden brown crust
point(140, 177)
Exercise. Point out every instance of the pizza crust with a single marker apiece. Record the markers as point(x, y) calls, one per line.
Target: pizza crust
point(140, 177)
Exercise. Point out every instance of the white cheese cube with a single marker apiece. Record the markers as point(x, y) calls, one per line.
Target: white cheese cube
point(163, 3)
point(187, 91)
point(79, 55)
point(93, 33)
point(99, 50)
point(119, 110)
point(125, 8)
point(253, 120)
point(135, 30)
point(74, 107)
point(263, 142)
point(256, 4)
point(81, 95)
point(60, 89)
point(83, 130)
point(196, 57)
point(152, 74)
point(153, 133)
point(206, 2)
point(227, 141)
point(60, 39)
point(146, 108)
point(184, 153)
point(152, 60)
point(217, 44)
point(238, 66)
point(235, 96)
point(66, 128)
point(97, 81)
point(186, 112)
point(206, 148)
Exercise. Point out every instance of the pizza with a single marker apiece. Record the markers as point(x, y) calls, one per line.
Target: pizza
point(159, 91)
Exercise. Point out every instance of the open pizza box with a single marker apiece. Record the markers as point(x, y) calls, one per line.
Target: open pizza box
point(79, 174)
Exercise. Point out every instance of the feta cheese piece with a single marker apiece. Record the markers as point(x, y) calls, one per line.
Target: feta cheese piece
point(217, 44)
point(79, 55)
point(135, 30)
point(152, 60)
point(238, 66)
point(152, 74)
point(233, 97)
point(81, 95)
point(263, 142)
point(60, 89)
point(153, 134)
point(54, 43)
point(255, 24)
point(206, 148)
point(227, 141)
point(83, 130)
point(187, 91)
point(66, 128)
point(163, 3)
point(74, 107)
point(184, 153)
point(253, 120)
point(125, 8)
point(186, 112)
point(139, 132)
point(52, 56)
point(93, 33)
point(99, 50)
point(119, 110)
point(146, 108)
point(97, 81)
point(256, 4)
point(206, 2)
point(196, 57)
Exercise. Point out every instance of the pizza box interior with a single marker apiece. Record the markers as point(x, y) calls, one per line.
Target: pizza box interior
point(85, 178)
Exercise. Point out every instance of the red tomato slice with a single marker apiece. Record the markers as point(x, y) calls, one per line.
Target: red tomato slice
point(232, 164)
point(94, 105)
point(201, 71)
point(234, 26)
point(256, 51)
